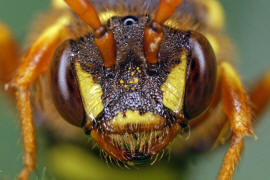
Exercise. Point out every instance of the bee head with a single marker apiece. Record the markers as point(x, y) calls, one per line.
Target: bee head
point(134, 107)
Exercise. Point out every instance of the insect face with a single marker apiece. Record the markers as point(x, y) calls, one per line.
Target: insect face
point(133, 109)
point(133, 81)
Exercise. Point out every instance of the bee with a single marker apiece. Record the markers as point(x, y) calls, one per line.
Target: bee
point(134, 80)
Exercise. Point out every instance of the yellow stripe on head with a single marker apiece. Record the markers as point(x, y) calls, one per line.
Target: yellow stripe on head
point(134, 117)
point(174, 87)
point(91, 93)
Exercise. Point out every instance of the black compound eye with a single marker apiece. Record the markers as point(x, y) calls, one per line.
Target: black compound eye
point(201, 76)
point(129, 20)
point(64, 87)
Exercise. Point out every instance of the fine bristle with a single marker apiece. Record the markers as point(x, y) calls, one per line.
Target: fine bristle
point(137, 146)
point(137, 162)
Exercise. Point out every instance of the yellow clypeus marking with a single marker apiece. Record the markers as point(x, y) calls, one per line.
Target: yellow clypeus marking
point(91, 93)
point(134, 117)
point(174, 87)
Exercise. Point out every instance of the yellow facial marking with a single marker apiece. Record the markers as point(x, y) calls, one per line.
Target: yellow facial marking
point(125, 86)
point(91, 93)
point(121, 81)
point(174, 87)
point(134, 117)
point(132, 73)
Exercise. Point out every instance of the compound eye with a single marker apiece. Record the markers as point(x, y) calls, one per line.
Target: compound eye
point(129, 20)
point(64, 87)
point(201, 76)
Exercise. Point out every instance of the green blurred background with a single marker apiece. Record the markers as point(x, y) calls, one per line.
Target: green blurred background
point(247, 24)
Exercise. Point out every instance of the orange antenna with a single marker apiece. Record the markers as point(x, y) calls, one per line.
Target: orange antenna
point(153, 34)
point(103, 37)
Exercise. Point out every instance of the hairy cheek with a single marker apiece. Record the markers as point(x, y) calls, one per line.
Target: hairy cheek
point(126, 147)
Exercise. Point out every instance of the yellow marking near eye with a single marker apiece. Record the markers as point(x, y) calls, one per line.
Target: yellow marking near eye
point(125, 86)
point(91, 93)
point(174, 87)
point(134, 117)
point(133, 89)
point(131, 82)
point(121, 81)
point(132, 73)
